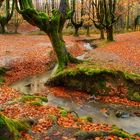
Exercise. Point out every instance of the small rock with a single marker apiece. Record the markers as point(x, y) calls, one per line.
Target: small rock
point(122, 114)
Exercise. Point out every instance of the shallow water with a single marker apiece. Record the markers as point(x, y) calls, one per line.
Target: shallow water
point(35, 84)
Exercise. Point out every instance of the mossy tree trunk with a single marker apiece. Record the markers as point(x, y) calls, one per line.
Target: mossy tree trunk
point(52, 26)
point(59, 48)
point(4, 19)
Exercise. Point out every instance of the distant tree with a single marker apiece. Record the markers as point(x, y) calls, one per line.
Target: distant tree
point(87, 17)
point(137, 22)
point(77, 20)
point(106, 16)
point(51, 25)
point(7, 14)
point(17, 20)
point(98, 16)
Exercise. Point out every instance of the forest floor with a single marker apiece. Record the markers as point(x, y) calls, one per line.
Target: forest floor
point(27, 55)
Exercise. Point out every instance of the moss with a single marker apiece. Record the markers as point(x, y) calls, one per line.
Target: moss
point(31, 98)
point(35, 103)
point(84, 135)
point(94, 81)
point(120, 133)
point(86, 118)
point(43, 99)
point(53, 118)
point(2, 73)
point(11, 126)
point(63, 112)
point(2, 80)
point(137, 134)
point(135, 96)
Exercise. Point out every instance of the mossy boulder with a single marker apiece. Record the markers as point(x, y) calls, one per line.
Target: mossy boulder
point(115, 131)
point(9, 128)
point(99, 81)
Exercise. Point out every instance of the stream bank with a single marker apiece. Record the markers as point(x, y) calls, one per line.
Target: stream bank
point(127, 121)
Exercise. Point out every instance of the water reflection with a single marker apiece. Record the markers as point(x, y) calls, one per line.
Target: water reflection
point(32, 85)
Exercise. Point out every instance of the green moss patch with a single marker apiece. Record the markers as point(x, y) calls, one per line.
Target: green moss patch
point(29, 98)
point(99, 81)
point(84, 135)
point(9, 128)
point(2, 73)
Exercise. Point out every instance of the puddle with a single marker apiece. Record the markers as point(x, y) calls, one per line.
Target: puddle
point(35, 84)
point(32, 85)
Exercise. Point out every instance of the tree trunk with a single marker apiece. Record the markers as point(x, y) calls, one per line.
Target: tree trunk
point(16, 30)
point(76, 31)
point(60, 49)
point(63, 56)
point(109, 31)
point(102, 34)
point(3, 29)
point(88, 32)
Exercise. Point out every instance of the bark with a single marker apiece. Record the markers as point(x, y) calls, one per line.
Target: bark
point(63, 56)
point(102, 34)
point(88, 31)
point(3, 30)
point(16, 29)
point(60, 49)
point(109, 31)
point(76, 31)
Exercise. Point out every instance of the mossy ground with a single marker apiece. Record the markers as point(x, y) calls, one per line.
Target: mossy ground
point(99, 81)
point(2, 73)
point(9, 128)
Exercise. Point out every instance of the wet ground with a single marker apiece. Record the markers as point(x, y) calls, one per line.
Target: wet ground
point(127, 120)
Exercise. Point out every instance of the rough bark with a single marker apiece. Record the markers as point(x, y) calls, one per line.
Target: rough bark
point(76, 32)
point(60, 49)
point(88, 31)
point(109, 31)
point(102, 36)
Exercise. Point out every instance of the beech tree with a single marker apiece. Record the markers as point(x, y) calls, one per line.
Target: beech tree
point(77, 20)
point(87, 17)
point(137, 22)
point(98, 16)
point(7, 14)
point(106, 15)
point(51, 25)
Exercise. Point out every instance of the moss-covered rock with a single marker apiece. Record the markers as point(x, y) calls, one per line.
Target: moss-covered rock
point(27, 98)
point(99, 81)
point(9, 128)
point(115, 131)
point(2, 73)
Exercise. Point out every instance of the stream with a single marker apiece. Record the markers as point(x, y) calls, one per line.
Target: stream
point(128, 122)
